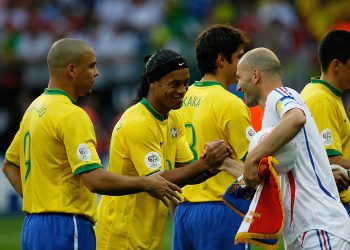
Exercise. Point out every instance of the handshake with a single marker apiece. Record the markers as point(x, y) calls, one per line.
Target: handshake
point(215, 158)
point(218, 156)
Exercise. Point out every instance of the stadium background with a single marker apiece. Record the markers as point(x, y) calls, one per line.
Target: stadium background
point(122, 32)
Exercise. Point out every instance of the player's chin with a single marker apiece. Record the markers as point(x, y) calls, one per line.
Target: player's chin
point(176, 104)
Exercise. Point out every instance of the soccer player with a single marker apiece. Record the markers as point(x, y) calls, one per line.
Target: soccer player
point(314, 215)
point(53, 164)
point(211, 112)
point(323, 98)
point(148, 138)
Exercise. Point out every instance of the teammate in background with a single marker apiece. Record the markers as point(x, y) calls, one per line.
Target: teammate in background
point(323, 98)
point(53, 164)
point(211, 112)
point(314, 216)
point(150, 137)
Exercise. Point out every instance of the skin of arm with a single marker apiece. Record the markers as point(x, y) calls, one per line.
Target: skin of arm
point(13, 174)
point(288, 127)
point(216, 153)
point(232, 167)
point(103, 182)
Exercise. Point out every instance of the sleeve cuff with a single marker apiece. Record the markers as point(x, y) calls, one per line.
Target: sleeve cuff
point(86, 168)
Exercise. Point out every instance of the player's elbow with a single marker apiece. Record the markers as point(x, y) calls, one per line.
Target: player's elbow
point(298, 119)
point(7, 167)
point(93, 188)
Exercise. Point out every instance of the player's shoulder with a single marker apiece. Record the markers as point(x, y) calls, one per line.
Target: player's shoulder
point(175, 116)
point(137, 116)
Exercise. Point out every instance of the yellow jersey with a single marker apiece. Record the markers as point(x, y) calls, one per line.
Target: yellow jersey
point(210, 112)
point(55, 142)
point(143, 142)
point(327, 109)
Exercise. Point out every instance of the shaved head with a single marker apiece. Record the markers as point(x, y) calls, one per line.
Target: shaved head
point(261, 58)
point(64, 52)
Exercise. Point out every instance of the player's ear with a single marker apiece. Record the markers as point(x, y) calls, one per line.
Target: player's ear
point(335, 65)
point(71, 70)
point(256, 75)
point(220, 61)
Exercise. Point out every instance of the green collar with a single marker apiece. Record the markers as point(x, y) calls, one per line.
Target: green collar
point(207, 84)
point(317, 80)
point(152, 110)
point(58, 92)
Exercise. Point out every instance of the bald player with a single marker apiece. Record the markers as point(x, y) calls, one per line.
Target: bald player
point(315, 217)
point(53, 164)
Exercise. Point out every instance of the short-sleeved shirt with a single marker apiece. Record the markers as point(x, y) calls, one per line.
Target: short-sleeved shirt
point(310, 196)
point(327, 109)
point(143, 142)
point(55, 142)
point(210, 112)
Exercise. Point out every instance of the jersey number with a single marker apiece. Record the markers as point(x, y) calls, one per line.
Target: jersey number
point(27, 161)
point(194, 140)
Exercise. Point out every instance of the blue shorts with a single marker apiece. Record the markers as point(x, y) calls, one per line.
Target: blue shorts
point(57, 231)
point(205, 226)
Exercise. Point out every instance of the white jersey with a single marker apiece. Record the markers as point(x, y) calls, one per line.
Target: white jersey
point(310, 195)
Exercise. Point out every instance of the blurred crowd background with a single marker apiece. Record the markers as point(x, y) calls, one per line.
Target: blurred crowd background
point(122, 32)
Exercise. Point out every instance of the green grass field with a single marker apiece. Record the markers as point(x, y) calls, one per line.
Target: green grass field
point(10, 233)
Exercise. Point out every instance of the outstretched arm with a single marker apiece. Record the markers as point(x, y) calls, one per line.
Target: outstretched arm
point(13, 174)
point(215, 153)
point(103, 182)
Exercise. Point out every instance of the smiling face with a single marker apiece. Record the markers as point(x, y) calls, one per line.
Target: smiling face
point(247, 84)
point(169, 91)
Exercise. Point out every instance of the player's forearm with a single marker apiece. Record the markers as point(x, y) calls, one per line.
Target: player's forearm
point(106, 183)
point(345, 163)
point(289, 126)
point(232, 167)
point(13, 174)
point(185, 175)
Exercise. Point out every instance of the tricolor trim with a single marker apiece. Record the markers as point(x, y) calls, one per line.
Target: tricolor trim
point(323, 239)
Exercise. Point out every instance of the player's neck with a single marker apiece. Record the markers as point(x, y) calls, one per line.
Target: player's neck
point(331, 80)
point(53, 84)
point(214, 78)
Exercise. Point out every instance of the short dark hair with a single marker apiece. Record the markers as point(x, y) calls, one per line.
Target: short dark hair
point(158, 65)
point(217, 39)
point(335, 45)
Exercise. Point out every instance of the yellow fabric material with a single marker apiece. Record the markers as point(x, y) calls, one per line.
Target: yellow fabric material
point(55, 141)
point(141, 145)
point(210, 112)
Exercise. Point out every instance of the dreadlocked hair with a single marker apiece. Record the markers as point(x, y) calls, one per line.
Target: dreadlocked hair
point(156, 66)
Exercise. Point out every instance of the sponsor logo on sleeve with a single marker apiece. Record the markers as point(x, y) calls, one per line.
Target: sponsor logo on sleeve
point(250, 132)
point(327, 137)
point(153, 160)
point(83, 152)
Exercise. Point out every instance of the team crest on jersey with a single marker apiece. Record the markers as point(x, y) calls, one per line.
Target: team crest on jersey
point(250, 132)
point(173, 131)
point(83, 152)
point(153, 160)
point(327, 137)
